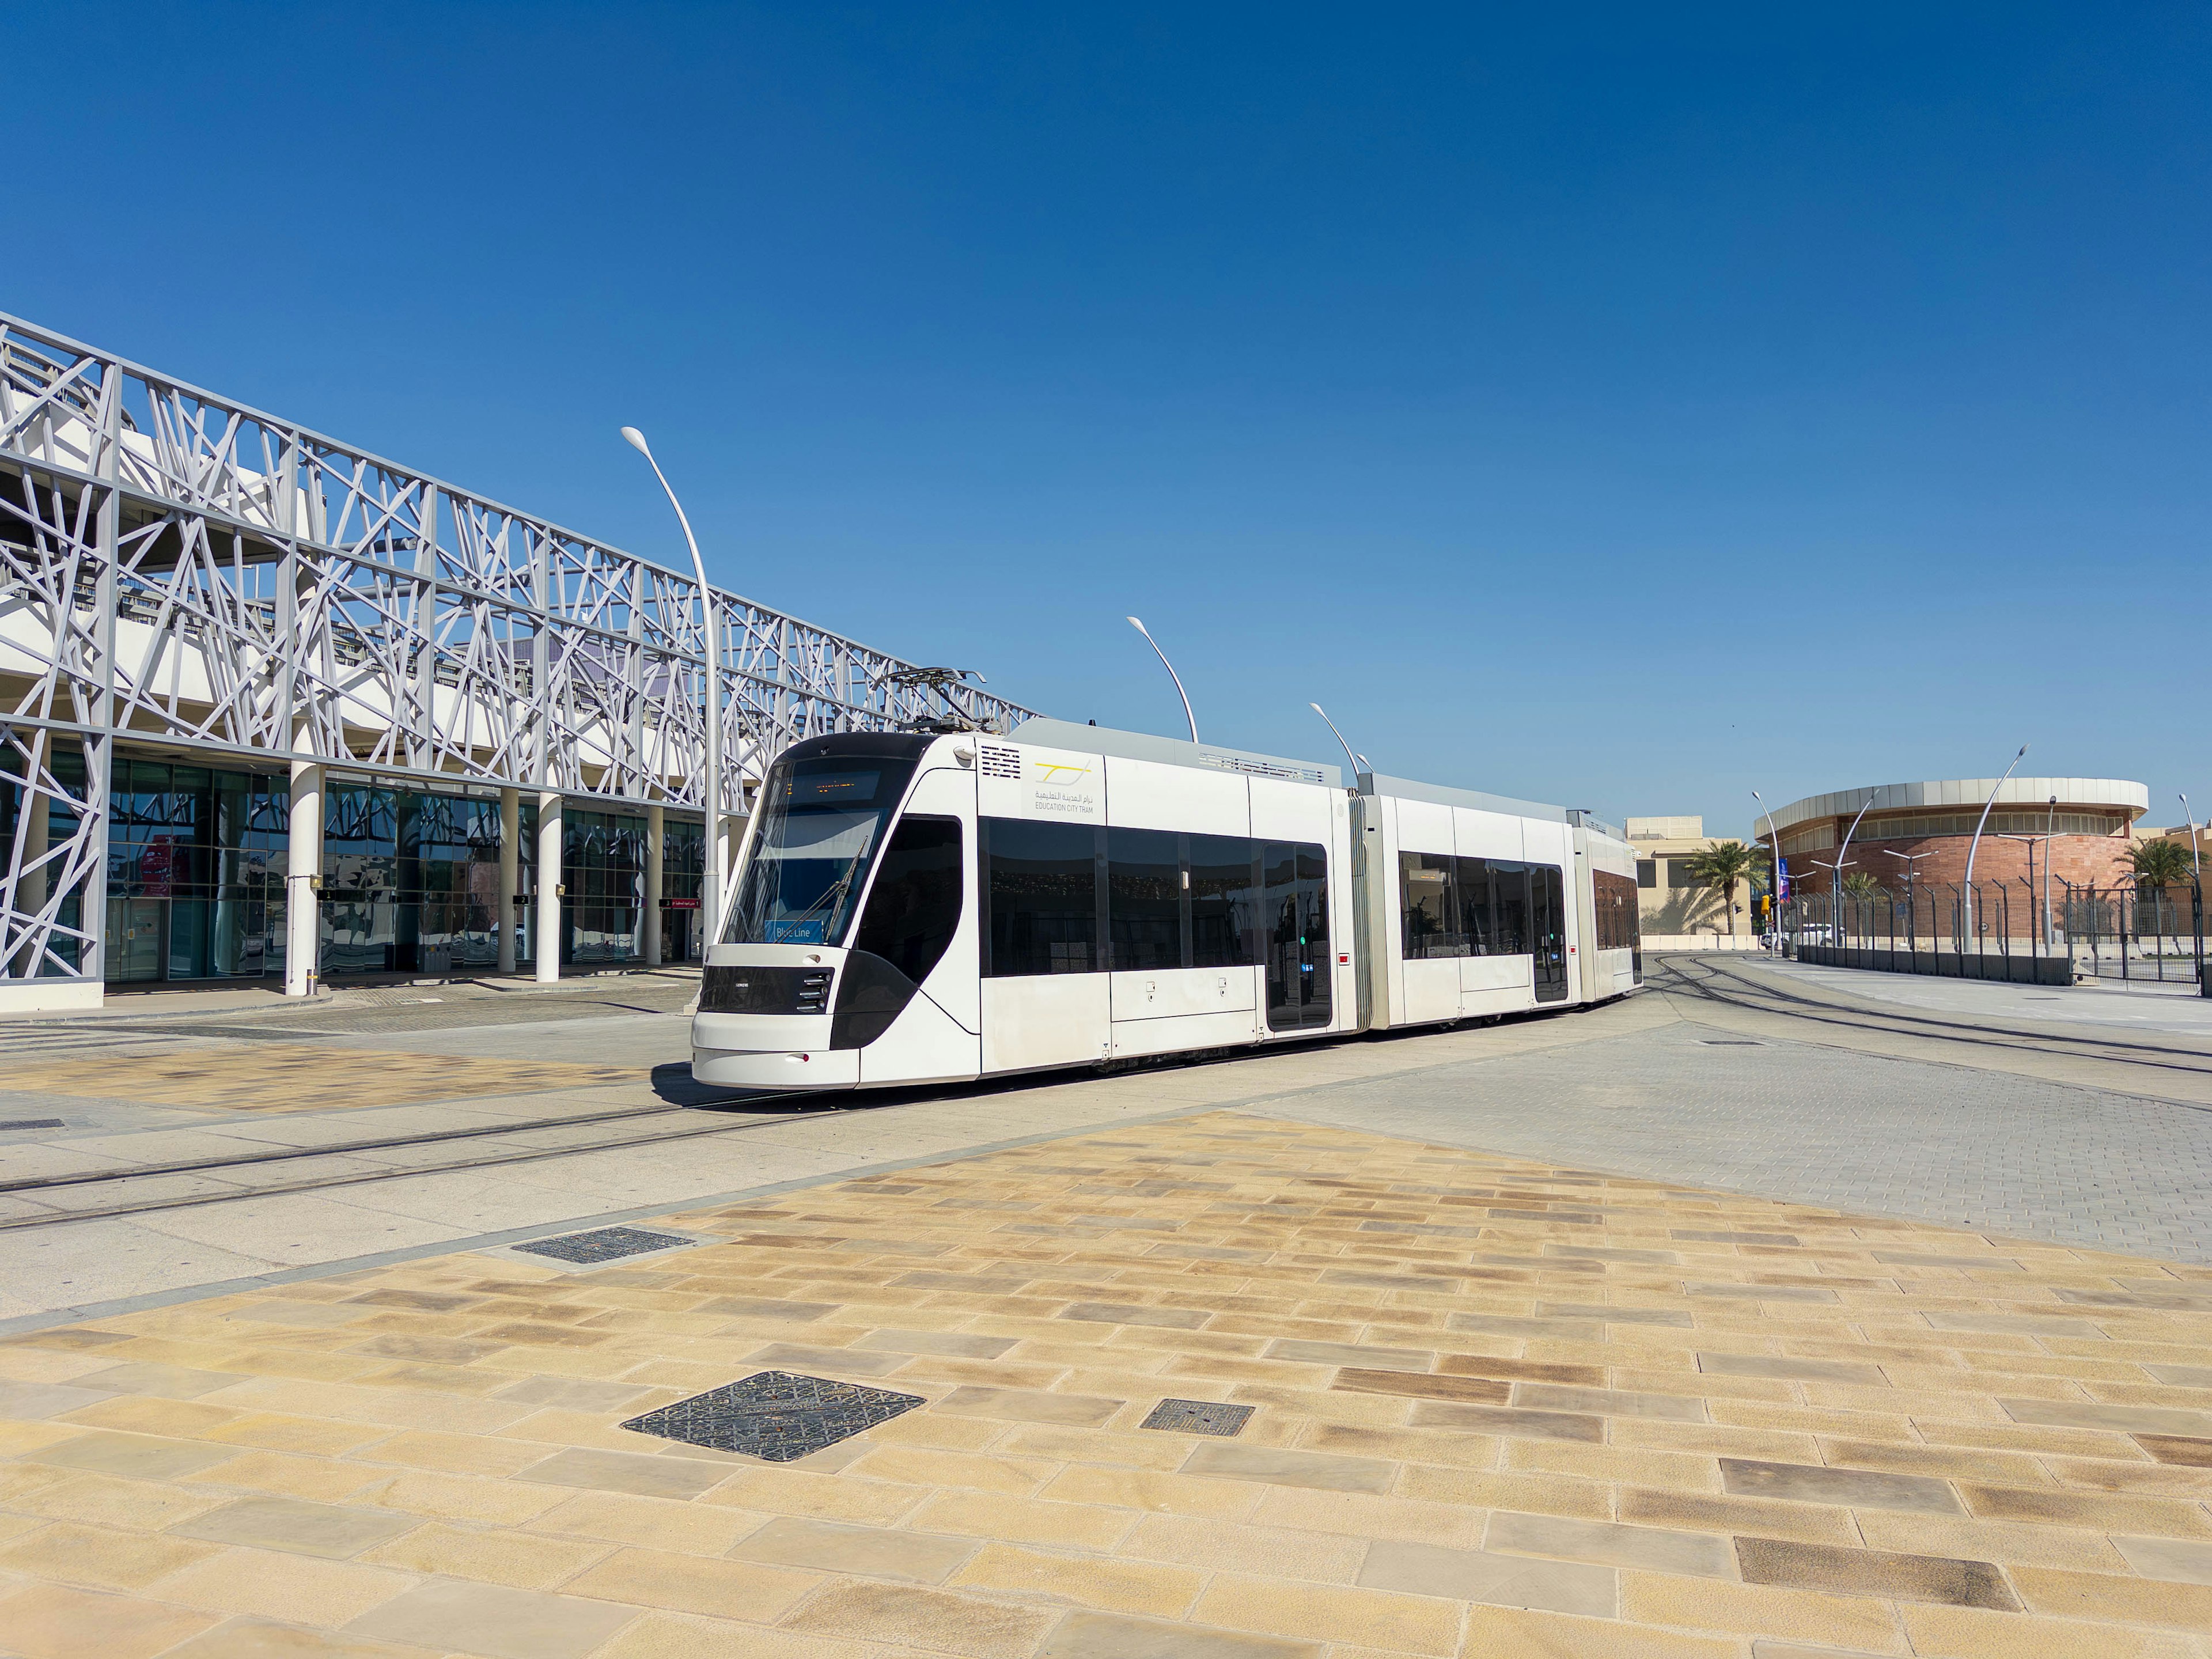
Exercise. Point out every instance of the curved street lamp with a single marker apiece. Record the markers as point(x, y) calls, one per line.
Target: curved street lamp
point(1172, 675)
point(1974, 845)
point(712, 884)
point(1358, 761)
point(1780, 873)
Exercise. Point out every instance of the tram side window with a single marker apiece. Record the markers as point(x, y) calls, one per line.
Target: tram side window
point(1224, 900)
point(1041, 889)
point(1426, 907)
point(1616, 921)
point(1509, 889)
point(1145, 899)
point(914, 907)
point(1468, 907)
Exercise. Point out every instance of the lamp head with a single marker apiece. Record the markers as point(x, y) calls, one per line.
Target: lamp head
point(637, 440)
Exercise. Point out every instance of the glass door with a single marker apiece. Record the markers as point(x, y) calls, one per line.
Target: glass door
point(134, 939)
point(1549, 902)
point(1294, 929)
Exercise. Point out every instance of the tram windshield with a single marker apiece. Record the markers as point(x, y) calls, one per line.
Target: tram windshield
point(823, 820)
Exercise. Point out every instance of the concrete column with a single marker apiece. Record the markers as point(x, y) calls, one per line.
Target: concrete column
point(303, 869)
point(549, 886)
point(31, 879)
point(656, 843)
point(510, 871)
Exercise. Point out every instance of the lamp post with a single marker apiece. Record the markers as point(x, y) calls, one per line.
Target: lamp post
point(1781, 874)
point(2030, 841)
point(1911, 904)
point(1974, 845)
point(1172, 675)
point(2196, 888)
point(711, 885)
point(2049, 830)
point(1358, 762)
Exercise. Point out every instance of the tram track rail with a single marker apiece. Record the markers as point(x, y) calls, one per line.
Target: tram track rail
point(1727, 987)
point(25, 1190)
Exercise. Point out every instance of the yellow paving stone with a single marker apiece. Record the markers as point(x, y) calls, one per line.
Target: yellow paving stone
point(2108, 1474)
point(18, 1439)
point(135, 1414)
point(49, 1621)
point(1755, 1610)
point(1939, 1633)
point(2003, 1541)
point(457, 1498)
point(971, 1514)
point(134, 1505)
point(251, 1638)
point(1146, 1489)
point(451, 1453)
point(277, 1431)
point(290, 1475)
point(1534, 1491)
point(774, 1490)
point(495, 1556)
point(1326, 1612)
point(680, 1636)
point(100, 1557)
point(1286, 1551)
point(937, 1619)
point(923, 1467)
point(1624, 1465)
point(2123, 1600)
point(1120, 1586)
point(288, 1587)
point(657, 1523)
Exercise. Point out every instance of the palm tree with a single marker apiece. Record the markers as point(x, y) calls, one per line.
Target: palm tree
point(1862, 885)
point(2157, 864)
point(1722, 864)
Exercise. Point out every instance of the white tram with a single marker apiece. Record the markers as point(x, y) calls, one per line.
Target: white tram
point(927, 909)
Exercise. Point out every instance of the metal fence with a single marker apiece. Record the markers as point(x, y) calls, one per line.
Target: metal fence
point(2007, 931)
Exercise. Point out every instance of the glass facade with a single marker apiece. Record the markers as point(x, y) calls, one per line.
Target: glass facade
point(411, 880)
point(196, 860)
point(197, 864)
point(603, 866)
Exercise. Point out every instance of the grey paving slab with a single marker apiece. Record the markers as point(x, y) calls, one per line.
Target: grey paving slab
point(1985, 1150)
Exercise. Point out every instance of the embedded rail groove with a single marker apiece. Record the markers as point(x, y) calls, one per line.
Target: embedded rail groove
point(1720, 985)
point(275, 1189)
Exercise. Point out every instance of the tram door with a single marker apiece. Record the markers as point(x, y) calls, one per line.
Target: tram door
point(1294, 933)
point(1548, 900)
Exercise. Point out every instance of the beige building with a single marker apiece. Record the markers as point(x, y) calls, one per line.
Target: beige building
point(1674, 909)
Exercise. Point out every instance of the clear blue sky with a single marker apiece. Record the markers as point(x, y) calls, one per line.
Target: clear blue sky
point(1628, 407)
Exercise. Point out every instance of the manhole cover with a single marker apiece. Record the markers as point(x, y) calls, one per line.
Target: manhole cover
point(1197, 1416)
point(775, 1415)
point(607, 1245)
point(32, 1123)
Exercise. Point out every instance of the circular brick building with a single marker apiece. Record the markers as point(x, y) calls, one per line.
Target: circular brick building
point(1927, 828)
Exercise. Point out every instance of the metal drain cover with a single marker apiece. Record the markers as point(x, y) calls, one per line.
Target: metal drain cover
point(607, 1245)
point(1730, 1042)
point(775, 1415)
point(32, 1123)
point(1197, 1416)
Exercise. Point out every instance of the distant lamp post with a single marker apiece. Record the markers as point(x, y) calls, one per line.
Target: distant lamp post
point(1911, 904)
point(712, 884)
point(1172, 675)
point(2029, 841)
point(1974, 845)
point(1781, 872)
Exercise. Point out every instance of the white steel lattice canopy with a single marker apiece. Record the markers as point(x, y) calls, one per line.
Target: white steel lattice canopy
point(188, 571)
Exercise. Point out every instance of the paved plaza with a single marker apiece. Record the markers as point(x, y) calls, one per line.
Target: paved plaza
point(1667, 1327)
